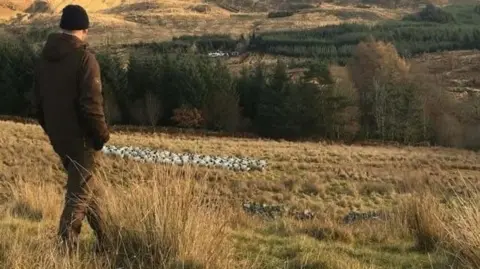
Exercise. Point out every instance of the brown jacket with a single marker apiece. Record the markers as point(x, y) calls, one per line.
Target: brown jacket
point(68, 95)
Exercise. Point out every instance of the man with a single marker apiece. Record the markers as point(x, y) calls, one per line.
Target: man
point(69, 102)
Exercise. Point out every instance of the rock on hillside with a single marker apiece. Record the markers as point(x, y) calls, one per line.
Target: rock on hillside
point(146, 155)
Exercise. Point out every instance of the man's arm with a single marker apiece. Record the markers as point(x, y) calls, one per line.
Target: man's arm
point(91, 101)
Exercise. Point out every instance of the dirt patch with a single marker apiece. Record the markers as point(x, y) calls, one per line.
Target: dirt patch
point(39, 7)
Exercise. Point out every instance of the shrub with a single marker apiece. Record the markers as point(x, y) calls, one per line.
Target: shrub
point(17, 60)
point(136, 111)
point(280, 14)
point(188, 117)
point(147, 110)
point(431, 13)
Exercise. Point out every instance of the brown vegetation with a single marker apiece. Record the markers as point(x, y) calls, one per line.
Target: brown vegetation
point(384, 81)
point(191, 217)
point(188, 117)
point(123, 22)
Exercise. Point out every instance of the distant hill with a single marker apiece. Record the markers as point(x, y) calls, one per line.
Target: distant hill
point(145, 21)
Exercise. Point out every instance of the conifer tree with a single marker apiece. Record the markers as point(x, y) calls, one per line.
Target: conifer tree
point(272, 109)
point(17, 61)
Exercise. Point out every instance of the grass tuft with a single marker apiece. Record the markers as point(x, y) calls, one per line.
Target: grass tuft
point(161, 222)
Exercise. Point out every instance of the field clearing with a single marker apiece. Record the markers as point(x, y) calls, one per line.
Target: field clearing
point(328, 179)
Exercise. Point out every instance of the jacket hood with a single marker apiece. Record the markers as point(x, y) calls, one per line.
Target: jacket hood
point(60, 45)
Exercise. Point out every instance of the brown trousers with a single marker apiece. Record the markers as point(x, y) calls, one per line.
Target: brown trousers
point(81, 199)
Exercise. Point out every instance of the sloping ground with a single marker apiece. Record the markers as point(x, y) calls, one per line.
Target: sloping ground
point(457, 70)
point(330, 180)
point(162, 20)
point(326, 178)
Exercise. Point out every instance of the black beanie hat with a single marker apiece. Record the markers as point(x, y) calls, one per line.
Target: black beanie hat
point(74, 17)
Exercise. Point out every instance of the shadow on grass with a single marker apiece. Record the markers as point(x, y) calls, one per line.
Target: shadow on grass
point(144, 6)
point(25, 211)
point(133, 249)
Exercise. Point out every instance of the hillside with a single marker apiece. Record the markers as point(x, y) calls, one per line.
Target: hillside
point(456, 70)
point(336, 185)
point(159, 21)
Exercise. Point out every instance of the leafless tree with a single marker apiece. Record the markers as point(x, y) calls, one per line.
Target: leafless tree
point(153, 108)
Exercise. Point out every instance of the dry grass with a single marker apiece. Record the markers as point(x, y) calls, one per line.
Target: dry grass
point(446, 222)
point(169, 217)
point(155, 222)
point(424, 218)
point(134, 21)
point(462, 241)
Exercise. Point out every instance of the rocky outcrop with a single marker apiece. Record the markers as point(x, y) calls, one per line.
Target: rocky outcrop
point(147, 155)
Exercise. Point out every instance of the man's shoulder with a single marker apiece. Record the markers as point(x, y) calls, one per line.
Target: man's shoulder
point(89, 57)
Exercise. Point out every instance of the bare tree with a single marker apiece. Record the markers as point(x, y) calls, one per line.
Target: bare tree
point(153, 108)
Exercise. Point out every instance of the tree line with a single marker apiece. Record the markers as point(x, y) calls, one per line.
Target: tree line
point(378, 96)
point(336, 42)
point(433, 29)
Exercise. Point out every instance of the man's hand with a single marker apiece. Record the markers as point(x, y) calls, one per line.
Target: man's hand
point(98, 144)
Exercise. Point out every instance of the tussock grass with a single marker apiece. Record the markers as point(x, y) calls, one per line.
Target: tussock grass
point(162, 222)
point(171, 224)
point(424, 219)
point(447, 222)
point(462, 239)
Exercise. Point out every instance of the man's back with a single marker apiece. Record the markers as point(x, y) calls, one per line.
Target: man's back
point(68, 90)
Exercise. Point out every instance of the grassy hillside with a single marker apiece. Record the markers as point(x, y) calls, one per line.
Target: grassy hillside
point(151, 208)
point(457, 70)
point(145, 21)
